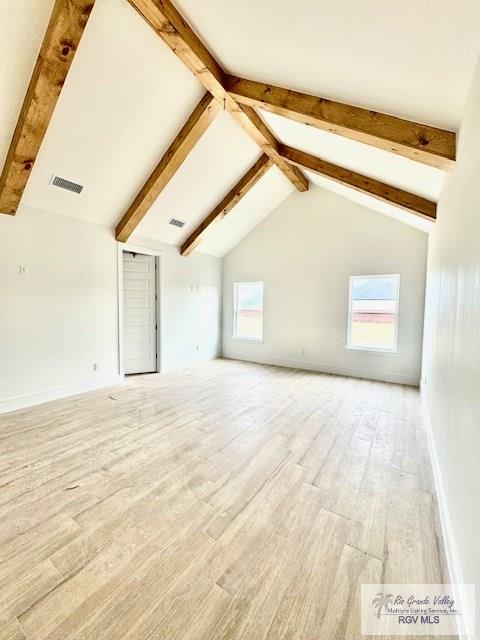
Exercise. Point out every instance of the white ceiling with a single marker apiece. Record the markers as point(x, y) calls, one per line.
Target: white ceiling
point(127, 96)
point(391, 168)
point(217, 162)
point(411, 58)
point(256, 205)
point(22, 27)
point(375, 163)
point(372, 203)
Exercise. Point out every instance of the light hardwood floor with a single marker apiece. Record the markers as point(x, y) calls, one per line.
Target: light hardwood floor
point(224, 501)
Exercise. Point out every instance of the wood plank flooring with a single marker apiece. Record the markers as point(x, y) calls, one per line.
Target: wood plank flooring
point(223, 501)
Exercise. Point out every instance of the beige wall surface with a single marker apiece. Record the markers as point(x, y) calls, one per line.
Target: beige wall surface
point(61, 315)
point(305, 252)
point(451, 370)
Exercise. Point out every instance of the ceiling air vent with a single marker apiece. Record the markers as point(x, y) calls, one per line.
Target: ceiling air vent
point(67, 184)
point(177, 223)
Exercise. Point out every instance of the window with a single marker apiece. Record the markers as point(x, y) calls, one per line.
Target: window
point(248, 310)
point(373, 312)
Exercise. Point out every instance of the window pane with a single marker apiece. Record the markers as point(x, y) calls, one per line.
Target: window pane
point(373, 312)
point(250, 295)
point(249, 310)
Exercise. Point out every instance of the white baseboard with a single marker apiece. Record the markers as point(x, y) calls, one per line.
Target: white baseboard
point(454, 567)
point(39, 397)
point(382, 376)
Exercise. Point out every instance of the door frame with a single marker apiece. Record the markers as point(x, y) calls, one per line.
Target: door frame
point(125, 247)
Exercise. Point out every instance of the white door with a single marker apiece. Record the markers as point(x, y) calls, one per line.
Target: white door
point(139, 313)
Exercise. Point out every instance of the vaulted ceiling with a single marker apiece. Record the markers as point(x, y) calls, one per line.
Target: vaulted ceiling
point(127, 96)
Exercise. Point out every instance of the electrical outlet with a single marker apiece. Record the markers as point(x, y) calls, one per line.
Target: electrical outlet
point(22, 270)
point(95, 366)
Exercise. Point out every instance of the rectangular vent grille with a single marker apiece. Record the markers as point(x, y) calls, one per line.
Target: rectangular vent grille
point(67, 184)
point(176, 223)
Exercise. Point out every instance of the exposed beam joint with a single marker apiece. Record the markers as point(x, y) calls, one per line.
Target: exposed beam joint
point(196, 125)
point(243, 186)
point(170, 25)
point(429, 145)
point(253, 124)
point(379, 190)
point(64, 31)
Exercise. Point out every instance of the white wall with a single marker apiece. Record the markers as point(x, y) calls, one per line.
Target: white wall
point(451, 371)
point(305, 252)
point(62, 316)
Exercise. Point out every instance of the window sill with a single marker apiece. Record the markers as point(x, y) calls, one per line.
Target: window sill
point(392, 353)
point(257, 340)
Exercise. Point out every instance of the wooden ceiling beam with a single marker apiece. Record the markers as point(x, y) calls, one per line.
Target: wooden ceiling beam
point(243, 186)
point(62, 37)
point(429, 145)
point(196, 125)
point(170, 25)
point(392, 195)
point(253, 124)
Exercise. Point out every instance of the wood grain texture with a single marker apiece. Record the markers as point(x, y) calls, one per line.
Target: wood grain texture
point(196, 125)
point(379, 190)
point(256, 128)
point(243, 186)
point(64, 31)
point(421, 142)
point(222, 501)
point(174, 30)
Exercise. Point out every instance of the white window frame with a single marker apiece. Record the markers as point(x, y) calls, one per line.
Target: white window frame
point(235, 311)
point(349, 344)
